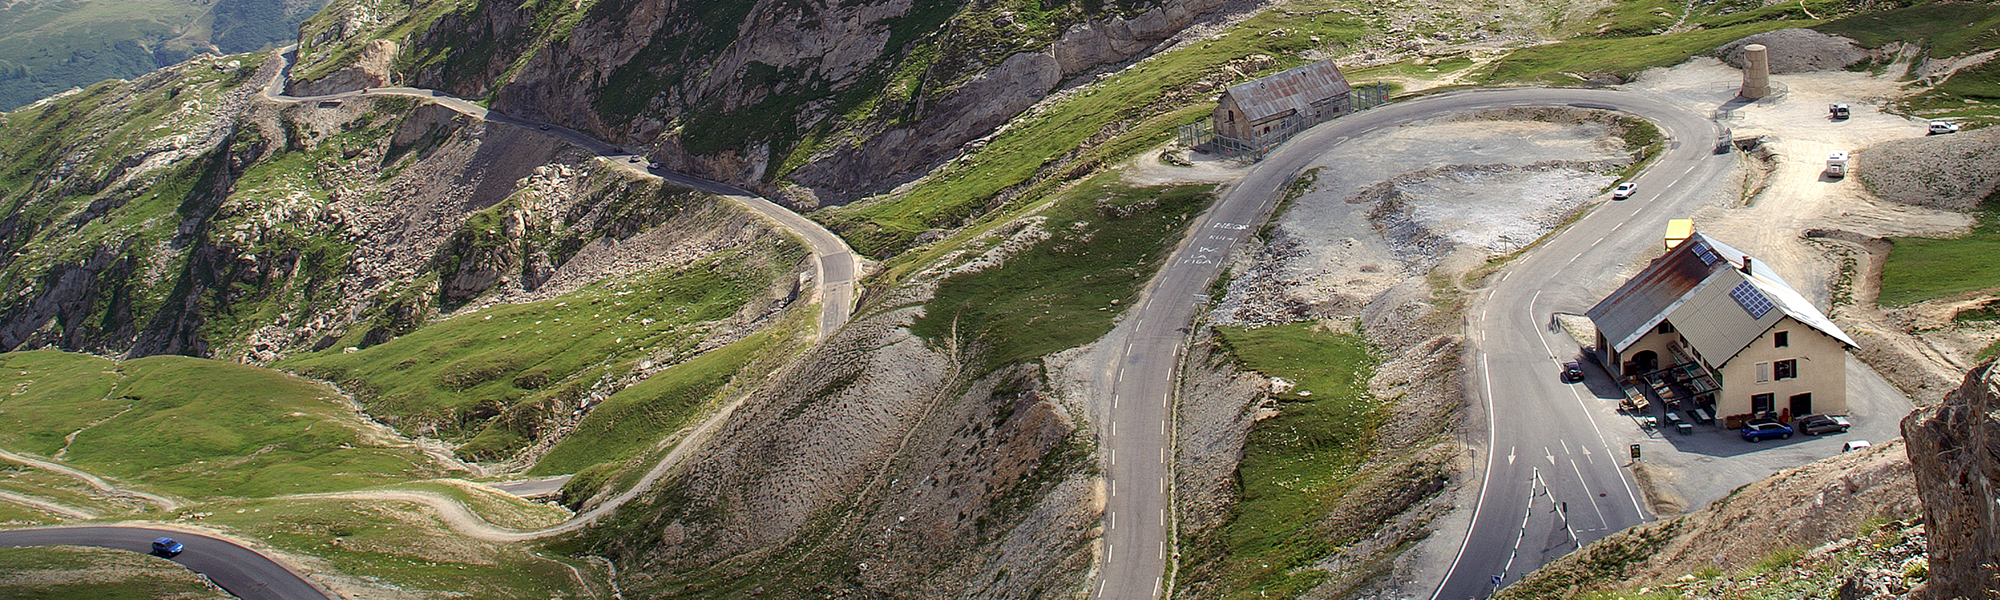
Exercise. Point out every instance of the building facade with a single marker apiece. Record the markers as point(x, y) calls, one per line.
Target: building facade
point(1729, 330)
point(1283, 103)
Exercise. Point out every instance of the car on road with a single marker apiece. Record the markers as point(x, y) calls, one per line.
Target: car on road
point(1839, 111)
point(1943, 127)
point(545, 128)
point(1572, 372)
point(1854, 445)
point(1624, 190)
point(652, 165)
point(1764, 429)
point(1818, 424)
point(166, 547)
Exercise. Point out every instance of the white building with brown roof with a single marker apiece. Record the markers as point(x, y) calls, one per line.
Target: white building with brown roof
point(1727, 327)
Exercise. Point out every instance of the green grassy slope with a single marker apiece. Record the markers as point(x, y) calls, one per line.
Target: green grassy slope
point(59, 572)
point(193, 427)
point(1296, 466)
point(1920, 269)
point(1106, 241)
point(453, 378)
point(637, 417)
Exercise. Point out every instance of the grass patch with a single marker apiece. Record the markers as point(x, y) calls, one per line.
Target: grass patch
point(458, 377)
point(198, 428)
point(95, 573)
point(1944, 29)
point(1563, 62)
point(402, 545)
point(1106, 240)
point(967, 189)
point(637, 417)
point(1920, 269)
point(1297, 465)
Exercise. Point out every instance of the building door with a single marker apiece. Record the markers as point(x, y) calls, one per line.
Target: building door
point(1760, 404)
point(1802, 405)
point(1646, 361)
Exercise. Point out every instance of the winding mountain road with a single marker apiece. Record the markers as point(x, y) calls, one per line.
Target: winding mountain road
point(1529, 410)
point(251, 575)
point(239, 570)
point(837, 268)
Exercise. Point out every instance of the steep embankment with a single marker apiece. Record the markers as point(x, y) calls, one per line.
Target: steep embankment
point(1816, 509)
point(182, 213)
point(841, 98)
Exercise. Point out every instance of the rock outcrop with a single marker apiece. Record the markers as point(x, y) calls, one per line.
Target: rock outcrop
point(842, 98)
point(374, 68)
point(1955, 454)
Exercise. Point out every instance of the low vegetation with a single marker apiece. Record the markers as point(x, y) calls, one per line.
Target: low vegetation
point(487, 378)
point(1140, 107)
point(1571, 62)
point(194, 427)
point(638, 417)
point(1893, 547)
point(1297, 464)
point(403, 546)
point(1920, 269)
point(1105, 241)
point(98, 574)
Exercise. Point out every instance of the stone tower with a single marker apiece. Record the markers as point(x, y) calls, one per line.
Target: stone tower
point(1756, 72)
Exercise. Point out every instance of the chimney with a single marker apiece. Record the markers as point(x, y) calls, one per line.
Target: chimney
point(1746, 264)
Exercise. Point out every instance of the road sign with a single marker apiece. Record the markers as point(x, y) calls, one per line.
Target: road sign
point(1635, 452)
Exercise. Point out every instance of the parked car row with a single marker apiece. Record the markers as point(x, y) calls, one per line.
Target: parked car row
point(1758, 430)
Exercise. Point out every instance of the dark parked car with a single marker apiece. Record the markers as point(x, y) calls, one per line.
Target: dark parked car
point(1572, 372)
point(1818, 424)
point(1763, 429)
point(166, 547)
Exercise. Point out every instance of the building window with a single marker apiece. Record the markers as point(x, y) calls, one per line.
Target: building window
point(1782, 338)
point(1665, 328)
point(1761, 403)
point(1763, 372)
point(1786, 369)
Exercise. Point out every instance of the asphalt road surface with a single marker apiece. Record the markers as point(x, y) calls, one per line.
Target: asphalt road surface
point(238, 570)
point(1554, 450)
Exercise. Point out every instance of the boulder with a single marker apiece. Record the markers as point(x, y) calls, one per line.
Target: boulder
point(1955, 455)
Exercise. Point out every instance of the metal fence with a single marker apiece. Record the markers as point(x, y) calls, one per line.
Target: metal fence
point(1202, 137)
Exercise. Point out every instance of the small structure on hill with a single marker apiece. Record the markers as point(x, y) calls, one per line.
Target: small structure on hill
point(1253, 116)
point(1756, 72)
point(1311, 93)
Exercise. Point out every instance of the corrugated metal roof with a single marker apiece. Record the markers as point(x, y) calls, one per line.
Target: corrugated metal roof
point(1695, 294)
point(1294, 89)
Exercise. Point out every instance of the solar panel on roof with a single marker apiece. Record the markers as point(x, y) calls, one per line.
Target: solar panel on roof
point(1751, 300)
point(1707, 255)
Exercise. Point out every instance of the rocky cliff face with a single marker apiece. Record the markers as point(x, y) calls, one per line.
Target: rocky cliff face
point(841, 98)
point(1955, 454)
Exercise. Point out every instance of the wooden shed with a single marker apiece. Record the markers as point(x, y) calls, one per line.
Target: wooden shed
point(1307, 94)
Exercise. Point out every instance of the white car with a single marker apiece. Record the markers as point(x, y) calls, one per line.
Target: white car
point(1942, 127)
point(1624, 190)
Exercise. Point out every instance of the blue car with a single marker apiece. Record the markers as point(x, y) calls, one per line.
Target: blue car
point(1764, 429)
point(166, 547)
